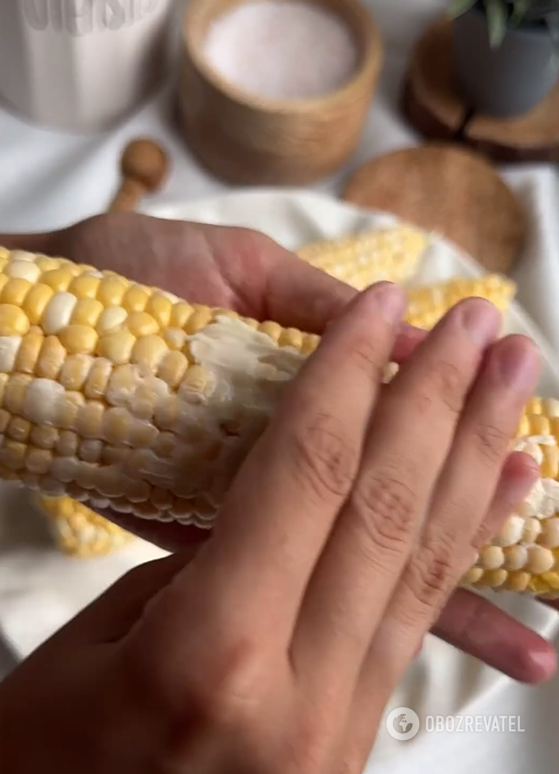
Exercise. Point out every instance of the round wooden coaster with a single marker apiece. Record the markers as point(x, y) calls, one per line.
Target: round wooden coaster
point(434, 105)
point(451, 191)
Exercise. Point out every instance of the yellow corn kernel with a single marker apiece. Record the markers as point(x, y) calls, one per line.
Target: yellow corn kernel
point(28, 352)
point(43, 436)
point(36, 301)
point(539, 425)
point(291, 337)
point(141, 324)
point(19, 429)
point(13, 454)
point(198, 320)
point(174, 338)
point(159, 306)
point(46, 263)
point(135, 299)
point(51, 358)
point(79, 339)
point(89, 419)
point(111, 320)
point(67, 443)
point(116, 426)
point(75, 371)
point(87, 312)
point(14, 292)
point(172, 368)
point(85, 287)
point(535, 406)
point(180, 314)
point(57, 279)
point(116, 347)
point(272, 330)
point(14, 393)
point(149, 351)
point(111, 291)
point(98, 379)
point(13, 321)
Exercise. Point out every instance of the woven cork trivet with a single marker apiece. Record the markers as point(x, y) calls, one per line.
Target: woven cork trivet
point(451, 191)
point(433, 104)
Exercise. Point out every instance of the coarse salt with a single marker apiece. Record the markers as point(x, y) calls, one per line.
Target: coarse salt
point(282, 50)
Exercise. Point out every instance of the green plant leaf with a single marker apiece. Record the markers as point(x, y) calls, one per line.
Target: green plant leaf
point(458, 7)
point(497, 18)
point(521, 8)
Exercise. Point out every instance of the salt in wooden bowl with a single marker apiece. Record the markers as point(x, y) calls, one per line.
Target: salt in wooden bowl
point(246, 138)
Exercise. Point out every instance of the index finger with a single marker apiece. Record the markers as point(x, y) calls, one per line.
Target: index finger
point(281, 507)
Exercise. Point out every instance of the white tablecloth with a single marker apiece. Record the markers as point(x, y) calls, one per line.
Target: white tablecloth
point(50, 180)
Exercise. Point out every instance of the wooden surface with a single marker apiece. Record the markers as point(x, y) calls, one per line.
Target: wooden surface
point(433, 104)
point(248, 140)
point(144, 166)
point(449, 190)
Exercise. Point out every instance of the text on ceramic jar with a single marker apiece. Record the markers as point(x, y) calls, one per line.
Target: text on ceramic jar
point(82, 17)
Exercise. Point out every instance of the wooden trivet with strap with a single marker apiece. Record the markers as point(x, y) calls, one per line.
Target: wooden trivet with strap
point(433, 104)
point(451, 191)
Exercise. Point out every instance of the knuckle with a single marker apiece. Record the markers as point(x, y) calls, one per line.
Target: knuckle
point(228, 691)
point(324, 459)
point(384, 505)
point(448, 384)
point(365, 355)
point(431, 572)
point(492, 442)
point(219, 688)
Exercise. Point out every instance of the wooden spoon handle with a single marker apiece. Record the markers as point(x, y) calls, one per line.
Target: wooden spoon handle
point(144, 166)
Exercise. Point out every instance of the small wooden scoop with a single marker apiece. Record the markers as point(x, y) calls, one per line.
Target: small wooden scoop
point(144, 166)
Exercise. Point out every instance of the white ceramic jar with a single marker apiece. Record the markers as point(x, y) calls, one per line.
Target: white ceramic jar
point(81, 65)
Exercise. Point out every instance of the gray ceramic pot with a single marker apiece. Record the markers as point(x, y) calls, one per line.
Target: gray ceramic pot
point(509, 80)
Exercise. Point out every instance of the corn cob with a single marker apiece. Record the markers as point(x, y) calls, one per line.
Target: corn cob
point(426, 306)
point(80, 532)
point(123, 396)
point(75, 525)
point(383, 254)
point(524, 556)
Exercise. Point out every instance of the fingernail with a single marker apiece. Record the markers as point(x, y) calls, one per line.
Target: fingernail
point(519, 364)
point(520, 473)
point(390, 301)
point(544, 662)
point(482, 321)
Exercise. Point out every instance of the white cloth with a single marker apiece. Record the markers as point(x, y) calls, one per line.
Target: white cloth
point(50, 180)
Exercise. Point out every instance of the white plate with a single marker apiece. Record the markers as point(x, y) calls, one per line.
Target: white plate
point(40, 589)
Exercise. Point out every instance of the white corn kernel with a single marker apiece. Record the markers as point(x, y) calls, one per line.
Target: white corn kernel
point(58, 313)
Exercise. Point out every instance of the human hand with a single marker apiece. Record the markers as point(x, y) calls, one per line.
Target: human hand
point(278, 645)
point(250, 273)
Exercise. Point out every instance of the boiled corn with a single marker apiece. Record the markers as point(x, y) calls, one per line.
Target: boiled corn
point(360, 260)
point(116, 423)
point(425, 307)
point(80, 532)
point(524, 556)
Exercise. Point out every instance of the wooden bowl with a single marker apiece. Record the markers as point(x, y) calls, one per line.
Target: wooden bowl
point(250, 140)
